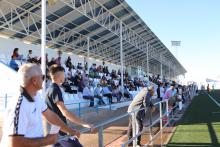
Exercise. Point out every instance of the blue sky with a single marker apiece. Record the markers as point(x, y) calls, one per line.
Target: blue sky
point(195, 22)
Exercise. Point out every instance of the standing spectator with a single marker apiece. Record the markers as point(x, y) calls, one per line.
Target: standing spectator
point(169, 92)
point(13, 63)
point(208, 88)
point(140, 101)
point(68, 62)
point(23, 124)
point(54, 98)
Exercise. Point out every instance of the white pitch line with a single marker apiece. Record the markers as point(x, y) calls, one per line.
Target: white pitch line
point(214, 100)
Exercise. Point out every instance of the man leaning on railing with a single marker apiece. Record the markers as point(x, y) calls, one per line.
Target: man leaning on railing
point(141, 100)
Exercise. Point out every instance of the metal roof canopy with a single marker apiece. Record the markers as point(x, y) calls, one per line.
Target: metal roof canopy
point(71, 23)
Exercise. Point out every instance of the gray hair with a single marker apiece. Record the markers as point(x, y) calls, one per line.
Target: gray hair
point(27, 71)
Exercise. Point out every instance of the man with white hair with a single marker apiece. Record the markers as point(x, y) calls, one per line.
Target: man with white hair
point(140, 101)
point(23, 122)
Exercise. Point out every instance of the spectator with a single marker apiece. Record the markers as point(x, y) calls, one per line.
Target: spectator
point(78, 81)
point(29, 56)
point(107, 93)
point(67, 88)
point(16, 55)
point(98, 94)
point(52, 62)
point(54, 98)
point(13, 63)
point(23, 124)
point(140, 101)
point(208, 88)
point(87, 94)
point(116, 92)
point(69, 63)
point(58, 61)
point(79, 66)
point(169, 92)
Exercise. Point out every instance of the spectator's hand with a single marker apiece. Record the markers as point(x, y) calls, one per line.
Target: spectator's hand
point(52, 138)
point(89, 126)
point(75, 133)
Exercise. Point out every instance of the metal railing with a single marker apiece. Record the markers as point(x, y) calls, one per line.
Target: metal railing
point(169, 113)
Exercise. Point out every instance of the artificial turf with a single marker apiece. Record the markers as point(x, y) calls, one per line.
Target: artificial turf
point(200, 125)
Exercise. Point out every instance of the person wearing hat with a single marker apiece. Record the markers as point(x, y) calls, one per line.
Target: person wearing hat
point(140, 101)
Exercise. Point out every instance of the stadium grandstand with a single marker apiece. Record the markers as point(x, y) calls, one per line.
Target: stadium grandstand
point(99, 43)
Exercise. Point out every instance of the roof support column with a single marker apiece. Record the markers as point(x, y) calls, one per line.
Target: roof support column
point(43, 51)
point(43, 43)
point(88, 54)
point(148, 72)
point(121, 59)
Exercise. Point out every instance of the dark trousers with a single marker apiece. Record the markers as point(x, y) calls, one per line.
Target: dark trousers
point(91, 98)
point(100, 99)
point(139, 122)
point(109, 96)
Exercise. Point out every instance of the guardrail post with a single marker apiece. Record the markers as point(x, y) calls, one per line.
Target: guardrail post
point(151, 141)
point(6, 100)
point(134, 128)
point(161, 121)
point(100, 135)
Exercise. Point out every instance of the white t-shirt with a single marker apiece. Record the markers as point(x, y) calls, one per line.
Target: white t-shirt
point(24, 117)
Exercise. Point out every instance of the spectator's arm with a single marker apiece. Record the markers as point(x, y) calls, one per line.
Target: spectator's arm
point(21, 141)
point(71, 116)
point(54, 119)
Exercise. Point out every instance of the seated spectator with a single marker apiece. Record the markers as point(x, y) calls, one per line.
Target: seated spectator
point(79, 66)
point(52, 62)
point(30, 58)
point(107, 93)
point(119, 72)
point(87, 94)
point(124, 89)
point(13, 64)
point(113, 74)
point(98, 94)
point(105, 70)
point(78, 81)
point(85, 79)
point(116, 92)
point(67, 88)
point(16, 55)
